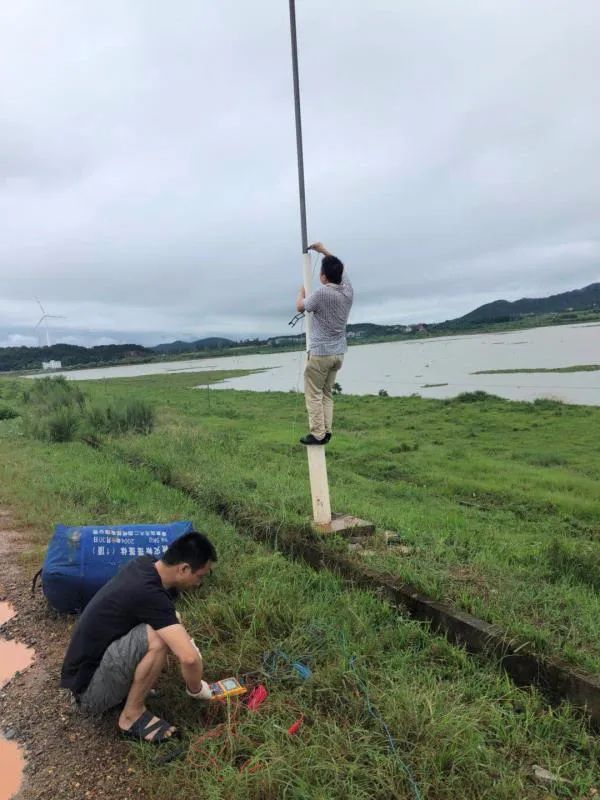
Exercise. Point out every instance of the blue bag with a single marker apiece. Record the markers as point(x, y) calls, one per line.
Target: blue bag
point(80, 560)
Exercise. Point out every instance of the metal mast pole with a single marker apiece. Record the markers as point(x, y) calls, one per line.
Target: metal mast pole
point(306, 267)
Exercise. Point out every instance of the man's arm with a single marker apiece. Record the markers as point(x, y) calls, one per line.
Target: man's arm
point(319, 247)
point(183, 648)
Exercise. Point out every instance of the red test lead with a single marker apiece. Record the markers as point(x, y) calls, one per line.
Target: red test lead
point(295, 726)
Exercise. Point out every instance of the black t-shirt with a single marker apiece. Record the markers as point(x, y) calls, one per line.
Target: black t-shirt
point(135, 595)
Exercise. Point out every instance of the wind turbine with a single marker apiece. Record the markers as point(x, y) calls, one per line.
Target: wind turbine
point(44, 319)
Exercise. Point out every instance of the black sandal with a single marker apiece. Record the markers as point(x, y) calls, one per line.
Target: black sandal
point(142, 728)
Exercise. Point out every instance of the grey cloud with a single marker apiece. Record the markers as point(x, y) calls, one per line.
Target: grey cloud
point(147, 159)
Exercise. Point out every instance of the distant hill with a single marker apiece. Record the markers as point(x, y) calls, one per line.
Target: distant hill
point(14, 358)
point(211, 343)
point(504, 310)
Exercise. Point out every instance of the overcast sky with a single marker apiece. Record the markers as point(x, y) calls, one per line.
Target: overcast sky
point(148, 185)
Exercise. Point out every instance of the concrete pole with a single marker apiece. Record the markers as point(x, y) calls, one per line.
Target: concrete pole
point(307, 272)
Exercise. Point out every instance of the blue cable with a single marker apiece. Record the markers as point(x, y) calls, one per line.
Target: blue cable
point(272, 660)
point(376, 715)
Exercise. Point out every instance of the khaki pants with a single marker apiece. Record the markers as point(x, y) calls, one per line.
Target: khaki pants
point(319, 377)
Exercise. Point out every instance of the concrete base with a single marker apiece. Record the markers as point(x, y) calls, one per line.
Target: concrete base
point(346, 525)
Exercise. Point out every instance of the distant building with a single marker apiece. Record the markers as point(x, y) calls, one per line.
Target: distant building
point(51, 364)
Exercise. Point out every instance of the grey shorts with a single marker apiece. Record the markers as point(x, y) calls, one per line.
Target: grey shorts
point(112, 679)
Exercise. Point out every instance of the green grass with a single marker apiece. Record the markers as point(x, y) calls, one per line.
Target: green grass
point(575, 368)
point(454, 478)
point(479, 487)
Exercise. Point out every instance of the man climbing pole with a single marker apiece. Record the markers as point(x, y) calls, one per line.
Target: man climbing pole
point(330, 306)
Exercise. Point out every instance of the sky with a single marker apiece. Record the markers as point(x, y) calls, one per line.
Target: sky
point(148, 177)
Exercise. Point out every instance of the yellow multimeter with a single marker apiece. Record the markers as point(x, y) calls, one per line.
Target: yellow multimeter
point(228, 687)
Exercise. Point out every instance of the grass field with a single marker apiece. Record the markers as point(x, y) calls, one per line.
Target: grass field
point(497, 504)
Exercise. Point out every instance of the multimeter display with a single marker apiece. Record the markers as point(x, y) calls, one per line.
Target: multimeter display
point(229, 687)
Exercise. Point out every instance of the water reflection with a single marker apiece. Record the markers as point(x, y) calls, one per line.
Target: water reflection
point(14, 657)
point(12, 764)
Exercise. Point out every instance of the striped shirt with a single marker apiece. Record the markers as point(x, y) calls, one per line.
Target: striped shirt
point(330, 305)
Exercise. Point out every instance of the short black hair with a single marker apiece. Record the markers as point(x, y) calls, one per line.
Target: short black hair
point(192, 548)
point(332, 268)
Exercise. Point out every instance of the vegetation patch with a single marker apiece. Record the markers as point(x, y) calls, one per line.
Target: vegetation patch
point(58, 411)
point(576, 368)
point(580, 561)
point(7, 412)
point(472, 397)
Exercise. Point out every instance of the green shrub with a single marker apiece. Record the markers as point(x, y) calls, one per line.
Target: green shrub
point(54, 393)
point(135, 416)
point(472, 397)
point(6, 412)
point(58, 412)
point(404, 447)
point(580, 560)
point(95, 418)
point(139, 416)
point(548, 404)
point(56, 426)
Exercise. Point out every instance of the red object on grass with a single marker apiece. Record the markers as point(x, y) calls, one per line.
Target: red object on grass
point(294, 726)
point(257, 696)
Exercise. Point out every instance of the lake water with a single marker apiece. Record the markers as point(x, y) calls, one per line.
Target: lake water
point(411, 367)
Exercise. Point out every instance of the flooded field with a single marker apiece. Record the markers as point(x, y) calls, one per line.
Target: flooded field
point(436, 367)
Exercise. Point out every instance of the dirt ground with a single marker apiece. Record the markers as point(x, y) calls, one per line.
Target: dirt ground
point(69, 756)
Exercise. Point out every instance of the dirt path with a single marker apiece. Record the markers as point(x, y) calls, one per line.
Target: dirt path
point(69, 757)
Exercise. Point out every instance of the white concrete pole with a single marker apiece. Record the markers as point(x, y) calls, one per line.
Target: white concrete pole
point(307, 272)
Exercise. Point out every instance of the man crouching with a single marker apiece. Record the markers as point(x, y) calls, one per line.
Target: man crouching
point(119, 644)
